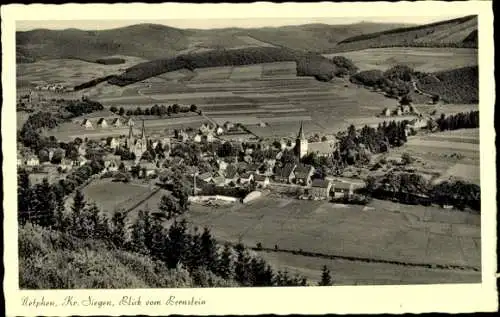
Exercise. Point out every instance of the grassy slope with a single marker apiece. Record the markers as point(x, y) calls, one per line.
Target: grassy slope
point(49, 260)
point(457, 32)
point(153, 41)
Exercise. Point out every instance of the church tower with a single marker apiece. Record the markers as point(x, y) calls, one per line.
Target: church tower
point(301, 143)
point(130, 140)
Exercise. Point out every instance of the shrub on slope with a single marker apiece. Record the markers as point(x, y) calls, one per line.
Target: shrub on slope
point(345, 65)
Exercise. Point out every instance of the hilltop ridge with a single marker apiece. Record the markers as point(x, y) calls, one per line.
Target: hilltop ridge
point(460, 32)
point(154, 41)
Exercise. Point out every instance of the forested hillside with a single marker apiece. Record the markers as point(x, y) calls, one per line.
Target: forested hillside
point(461, 32)
point(153, 41)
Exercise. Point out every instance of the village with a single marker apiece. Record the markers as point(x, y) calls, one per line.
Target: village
point(228, 163)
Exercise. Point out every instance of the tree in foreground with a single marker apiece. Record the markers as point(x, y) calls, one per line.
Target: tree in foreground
point(326, 279)
point(169, 207)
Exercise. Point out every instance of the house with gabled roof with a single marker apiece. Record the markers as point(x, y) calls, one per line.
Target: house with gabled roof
point(219, 181)
point(231, 173)
point(320, 189)
point(303, 173)
point(147, 168)
point(32, 160)
point(285, 174)
point(261, 180)
point(117, 122)
point(206, 177)
point(197, 138)
point(87, 124)
point(342, 189)
point(102, 123)
point(246, 178)
point(79, 161)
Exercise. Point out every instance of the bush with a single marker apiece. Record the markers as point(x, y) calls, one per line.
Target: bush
point(368, 77)
point(407, 158)
point(110, 61)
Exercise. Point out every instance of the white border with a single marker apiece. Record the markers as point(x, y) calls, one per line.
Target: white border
point(310, 300)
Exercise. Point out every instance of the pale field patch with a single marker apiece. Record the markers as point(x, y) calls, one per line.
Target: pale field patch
point(246, 72)
point(109, 195)
point(422, 59)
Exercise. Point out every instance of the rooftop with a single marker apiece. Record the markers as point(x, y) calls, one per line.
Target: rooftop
point(285, 171)
point(320, 183)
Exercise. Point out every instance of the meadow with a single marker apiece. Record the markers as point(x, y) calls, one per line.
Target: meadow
point(67, 71)
point(113, 196)
point(420, 58)
point(382, 231)
point(345, 272)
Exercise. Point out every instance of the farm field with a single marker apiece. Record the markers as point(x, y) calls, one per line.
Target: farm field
point(346, 272)
point(126, 197)
point(386, 231)
point(67, 71)
point(446, 153)
point(112, 196)
point(421, 59)
point(270, 92)
point(383, 231)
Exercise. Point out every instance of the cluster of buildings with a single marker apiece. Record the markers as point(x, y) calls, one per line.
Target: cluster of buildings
point(400, 111)
point(53, 87)
point(101, 122)
point(238, 170)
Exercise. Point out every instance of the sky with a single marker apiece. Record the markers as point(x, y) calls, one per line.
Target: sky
point(219, 23)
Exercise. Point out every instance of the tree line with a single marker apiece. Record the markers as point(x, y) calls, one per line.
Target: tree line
point(156, 110)
point(462, 120)
point(412, 188)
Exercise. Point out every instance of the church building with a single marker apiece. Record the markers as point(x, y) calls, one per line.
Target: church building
point(301, 143)
point(137, 145)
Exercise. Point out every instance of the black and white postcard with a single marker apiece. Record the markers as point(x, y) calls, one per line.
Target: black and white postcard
point(250, 158)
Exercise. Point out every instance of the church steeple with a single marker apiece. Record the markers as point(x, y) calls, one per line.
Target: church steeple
point(301, 144)
point(301, 132)
point(130, 132)
point(143, 131)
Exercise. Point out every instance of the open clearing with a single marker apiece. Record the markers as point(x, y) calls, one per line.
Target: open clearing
point(421, 59)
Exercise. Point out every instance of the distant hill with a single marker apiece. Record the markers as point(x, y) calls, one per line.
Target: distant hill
point(153, 41)
point(144, 40)
point(461, 32)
